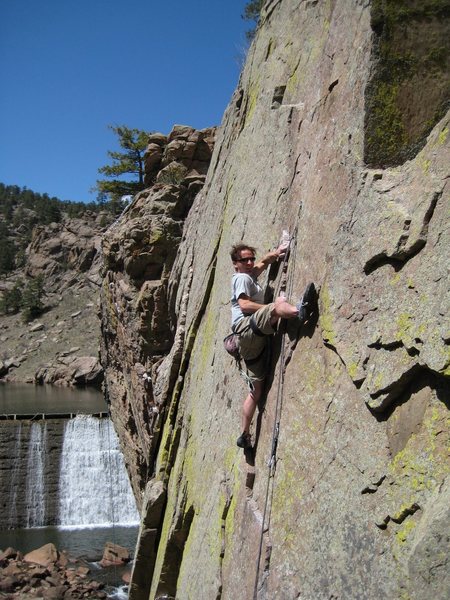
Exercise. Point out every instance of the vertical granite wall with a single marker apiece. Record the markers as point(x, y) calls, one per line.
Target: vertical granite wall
point(356, 502)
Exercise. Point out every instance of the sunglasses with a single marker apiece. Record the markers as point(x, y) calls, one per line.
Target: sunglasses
point(244, 260)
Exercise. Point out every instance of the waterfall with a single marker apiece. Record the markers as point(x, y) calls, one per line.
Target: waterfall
point(35, 488)
point(94, 488)
point(64, 473)
point(13, 483)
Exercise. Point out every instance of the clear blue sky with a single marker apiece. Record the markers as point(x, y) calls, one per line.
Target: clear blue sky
point(68, 68)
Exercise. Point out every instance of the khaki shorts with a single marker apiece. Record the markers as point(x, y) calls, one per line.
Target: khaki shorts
point(251, 345)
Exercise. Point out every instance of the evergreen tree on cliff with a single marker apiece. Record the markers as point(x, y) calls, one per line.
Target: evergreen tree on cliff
point(7, 250)
point(128, 162)
point(252, 11)
point(31, 301)
point(11, 300)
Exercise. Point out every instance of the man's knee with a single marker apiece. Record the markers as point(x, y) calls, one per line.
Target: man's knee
point(256, 391)
point(264, 321)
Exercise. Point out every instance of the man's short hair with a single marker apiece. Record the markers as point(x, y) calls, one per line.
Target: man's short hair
point(237, 249)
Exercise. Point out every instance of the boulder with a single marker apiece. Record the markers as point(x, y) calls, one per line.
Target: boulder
point(152, 157)
point(87, 370)
point(12, 569)
point(55, 593)
point(157, 138)
point(8, 584)
point(3, 369)
point(113, 554)
point(33, 578)
point(71, 371)
point(179, 150)
point(8, 553)
point(181, 132)
point(126, 576)
point(173, 173)
point(46, 555)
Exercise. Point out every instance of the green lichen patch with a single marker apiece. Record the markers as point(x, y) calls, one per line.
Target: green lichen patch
point(398, 11)
point(270, 47)
point(288, 493)
point(292, 82)
point(409, 89)
point(252, 100)
point(387, 131)
point(408, 329)
point(416, 471)
point(443, 136)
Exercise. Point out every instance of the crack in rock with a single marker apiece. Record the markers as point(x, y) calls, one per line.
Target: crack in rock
point(372, 488)
point(399, 517)
point(403, 253)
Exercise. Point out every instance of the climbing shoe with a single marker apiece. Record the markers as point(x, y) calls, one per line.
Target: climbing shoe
point(305, 304)
point(244, 440)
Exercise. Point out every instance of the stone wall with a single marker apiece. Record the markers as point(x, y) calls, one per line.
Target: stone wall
point(25, 448)
point(355, 501)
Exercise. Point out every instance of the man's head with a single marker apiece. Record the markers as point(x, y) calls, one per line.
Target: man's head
point(243, 258)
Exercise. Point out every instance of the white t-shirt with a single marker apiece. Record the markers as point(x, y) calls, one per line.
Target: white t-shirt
point(242, 283)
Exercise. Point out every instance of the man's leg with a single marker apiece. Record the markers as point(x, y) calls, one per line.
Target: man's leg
point(282, 310)
point(248, 410)
point(250, 404)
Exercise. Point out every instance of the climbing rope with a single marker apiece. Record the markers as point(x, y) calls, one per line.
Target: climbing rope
point(285, 285)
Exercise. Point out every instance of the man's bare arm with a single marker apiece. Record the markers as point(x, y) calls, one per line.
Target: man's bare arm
point(268, 259)
point(247, 306)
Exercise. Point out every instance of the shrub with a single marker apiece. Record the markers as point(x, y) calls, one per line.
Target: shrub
point(173, 174)
point(11, 300)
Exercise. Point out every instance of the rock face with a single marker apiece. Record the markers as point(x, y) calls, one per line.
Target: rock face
point(61, 346)
point(185, 151)
point(355, 503)
point(113, 554)
point(138, 325)
point(60, 250)
point(72, 371)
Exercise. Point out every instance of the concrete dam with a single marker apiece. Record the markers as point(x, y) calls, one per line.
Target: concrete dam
point(63, 472)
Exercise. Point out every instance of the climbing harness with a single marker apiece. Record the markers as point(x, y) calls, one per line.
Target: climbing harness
point(231, 345)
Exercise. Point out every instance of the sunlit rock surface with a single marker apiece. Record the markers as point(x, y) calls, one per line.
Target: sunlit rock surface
point(356, 503)
point(61, 345)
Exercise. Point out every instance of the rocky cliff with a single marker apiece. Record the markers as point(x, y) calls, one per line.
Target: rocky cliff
point(61, 345)
point(337, 131)
point(139, 327)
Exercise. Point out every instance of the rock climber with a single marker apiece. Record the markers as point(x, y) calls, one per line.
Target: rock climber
point(253, 321)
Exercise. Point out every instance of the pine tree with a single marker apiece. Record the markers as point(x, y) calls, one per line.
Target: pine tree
point(32, 304)
point(7, 251)
point(11, 301)
point(252, 10)
point(129, 162)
